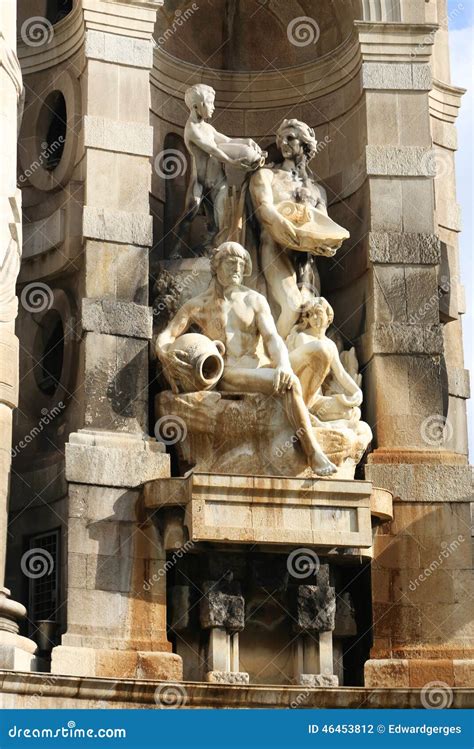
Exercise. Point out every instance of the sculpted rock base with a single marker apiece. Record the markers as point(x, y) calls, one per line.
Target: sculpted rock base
point(250, 434)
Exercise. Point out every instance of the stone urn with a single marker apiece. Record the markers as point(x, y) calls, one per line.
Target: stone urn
point(205, 358)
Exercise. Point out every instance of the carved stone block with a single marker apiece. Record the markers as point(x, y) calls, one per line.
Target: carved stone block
point(222, 606)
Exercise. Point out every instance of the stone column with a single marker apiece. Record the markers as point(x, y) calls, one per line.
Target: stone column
point(413, 375)
point(315, 621)
point(116, 598)
point(222, 612)
point(15, 652)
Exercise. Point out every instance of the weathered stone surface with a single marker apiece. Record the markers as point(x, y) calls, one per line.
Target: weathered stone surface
point(400, 338)
point(117, 226)
point(400, 161)
point(396, 76)
point(424, 483)
point(318, 680)
point(227, 677)
point(117, 318)
point(180, 596)
point(316, 608)
point(84, 661)
point(459, 382)
point(124, 50)
point(123, 461)
point(386, 673)
point(111, 135)
point(398, 247)
point(222, 605)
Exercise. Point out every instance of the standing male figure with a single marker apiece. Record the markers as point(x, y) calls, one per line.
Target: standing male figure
point(240, 317)
point(291, 184)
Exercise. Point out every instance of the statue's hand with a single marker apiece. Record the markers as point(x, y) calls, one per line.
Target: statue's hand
point(175, 366)
point(283, 380)
point(287, 232)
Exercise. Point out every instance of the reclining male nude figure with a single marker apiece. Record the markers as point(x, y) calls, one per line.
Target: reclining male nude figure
point(240, 318)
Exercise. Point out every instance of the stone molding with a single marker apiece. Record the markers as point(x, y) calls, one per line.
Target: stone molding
point(44, 234)
point(445, 101)
point(459, 382)
point(111, 135)
point(119, 318)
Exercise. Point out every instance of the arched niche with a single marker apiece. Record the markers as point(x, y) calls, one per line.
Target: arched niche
point(253, 35)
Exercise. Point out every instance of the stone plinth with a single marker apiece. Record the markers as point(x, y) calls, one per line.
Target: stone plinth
point(272, 510)
point(251, 434)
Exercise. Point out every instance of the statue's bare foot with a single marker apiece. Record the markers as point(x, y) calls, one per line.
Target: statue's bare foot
point(322, 466)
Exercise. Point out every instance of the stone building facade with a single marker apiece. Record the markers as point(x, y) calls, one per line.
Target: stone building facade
point(107, 545)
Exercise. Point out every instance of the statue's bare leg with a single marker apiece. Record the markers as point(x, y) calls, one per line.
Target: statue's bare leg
point(281, 279)
point(261, 381)
point(311, 364)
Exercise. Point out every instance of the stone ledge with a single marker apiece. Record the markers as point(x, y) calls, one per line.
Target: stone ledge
point(21, 690)
point(114, 459)
point(123, 50)
point(90, 662)
point(397, 247)
point(400, 161)
point(418, 672)
point(396, 76)
point(117, 226)
point(113, 317)
point(120, 137)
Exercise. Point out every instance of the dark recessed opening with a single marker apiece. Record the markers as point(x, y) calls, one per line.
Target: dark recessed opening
point(52, 129)
point(49, 353)
point(56, 10)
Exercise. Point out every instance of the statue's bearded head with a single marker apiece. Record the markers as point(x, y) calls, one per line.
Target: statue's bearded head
point(230, 264)
point(201, 98)
point(296, 139)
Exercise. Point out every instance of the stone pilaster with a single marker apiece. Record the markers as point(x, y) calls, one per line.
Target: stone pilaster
point(414, 373)
point(15, 652)
point(116, 617)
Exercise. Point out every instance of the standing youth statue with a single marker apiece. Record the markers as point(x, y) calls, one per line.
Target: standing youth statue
point(291, 209)
point(210, 152)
